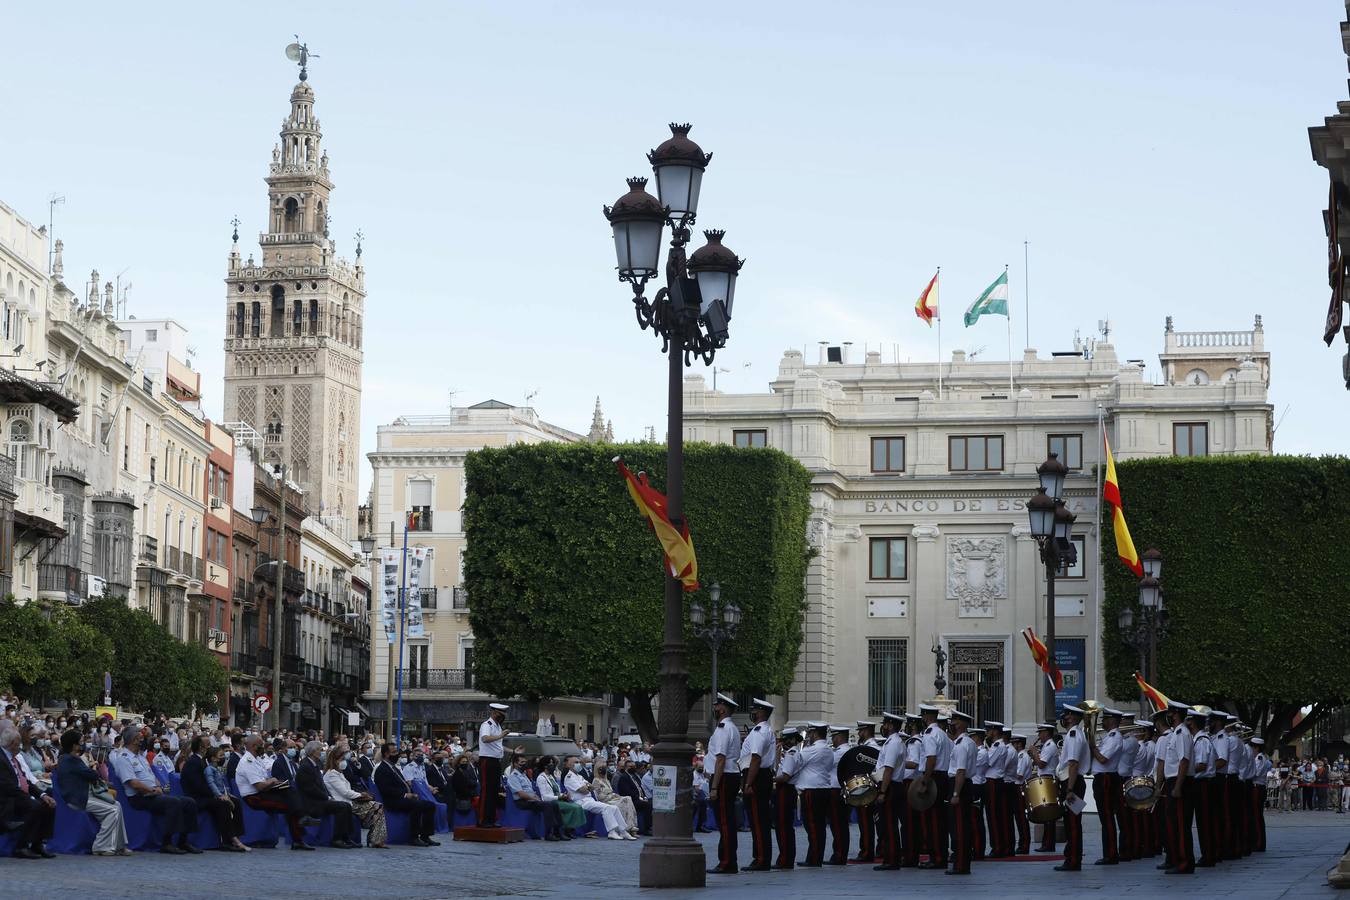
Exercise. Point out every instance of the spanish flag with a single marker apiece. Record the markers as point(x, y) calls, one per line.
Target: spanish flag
point(927, 306)
point(679, 549)
point(1041, 654)
point(1155, 696)
point(1124, 543)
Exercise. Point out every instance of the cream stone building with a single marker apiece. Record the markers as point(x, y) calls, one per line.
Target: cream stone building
point(418, 467)
point(294, 327)
point(919, 504)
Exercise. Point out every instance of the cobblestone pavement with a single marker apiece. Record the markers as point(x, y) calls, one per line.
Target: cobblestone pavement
point(1302, 847)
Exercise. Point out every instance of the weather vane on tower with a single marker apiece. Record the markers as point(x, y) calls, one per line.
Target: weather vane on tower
point(299, 53)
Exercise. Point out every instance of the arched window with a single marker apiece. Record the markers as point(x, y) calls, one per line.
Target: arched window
point(278, 326)
point(256, 328)
point(239, 319)
point(314, 317)
point(20, 446)
point(320, 221)
point(1197, 376)
point(297, 317)
point(291, 216)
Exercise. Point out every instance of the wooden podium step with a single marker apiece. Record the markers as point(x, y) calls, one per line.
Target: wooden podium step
point(501, 835)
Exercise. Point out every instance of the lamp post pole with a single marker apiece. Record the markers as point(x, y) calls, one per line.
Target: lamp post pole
point(1051, 526)
point(715, 627)
point(279, 599)
point(690, 315)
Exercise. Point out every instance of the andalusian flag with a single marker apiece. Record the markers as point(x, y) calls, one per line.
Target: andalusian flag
point(993, 302)
point(1155, 696)
point(1124, 543)
point(1041, 654)
point(927, 306)
point(679, 549)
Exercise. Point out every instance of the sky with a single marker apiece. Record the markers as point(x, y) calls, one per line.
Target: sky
point(1153, 155)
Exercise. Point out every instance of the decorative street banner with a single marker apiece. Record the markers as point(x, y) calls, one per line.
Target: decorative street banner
point(1071, 658)
point(389, 559)
point(417, 558)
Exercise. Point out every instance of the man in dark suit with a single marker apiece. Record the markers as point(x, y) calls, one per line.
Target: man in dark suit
point(283, 765)
point(316, 800)
point(236, 753)
point(399, 796)
point(436, 780)
point(362, 768)
point(630, 785)
point(21, 801)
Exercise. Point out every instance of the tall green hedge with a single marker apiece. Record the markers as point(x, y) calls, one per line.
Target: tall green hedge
point(565, 579)
point(1256, 576)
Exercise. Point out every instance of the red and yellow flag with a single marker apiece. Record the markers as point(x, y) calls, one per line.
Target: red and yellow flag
point(679, 549)
point(927, 306)
point(1124, 543)
point(1041, 654)
point(1155, 696)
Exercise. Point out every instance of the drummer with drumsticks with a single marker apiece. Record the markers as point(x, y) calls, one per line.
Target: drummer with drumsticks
point(1044, 755)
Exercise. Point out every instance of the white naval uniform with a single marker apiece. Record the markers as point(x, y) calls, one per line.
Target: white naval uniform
point(579, 792)
point(726, 743)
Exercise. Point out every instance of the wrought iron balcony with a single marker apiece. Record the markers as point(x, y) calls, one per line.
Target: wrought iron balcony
point(438, 679)
point(149, 551)
point(461, 598)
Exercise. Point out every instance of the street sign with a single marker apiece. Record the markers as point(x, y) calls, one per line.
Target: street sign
point(295, 706)
point(262, 703)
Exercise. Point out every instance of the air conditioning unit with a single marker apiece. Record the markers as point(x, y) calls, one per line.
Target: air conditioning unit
point(216, 636)
point(217, 503)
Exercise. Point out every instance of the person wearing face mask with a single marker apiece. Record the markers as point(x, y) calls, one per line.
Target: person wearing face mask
point(399, 796)
point(22, 801)
point(603, 791)
point(36, 754)
point(366, 808)
point(490, 736)
point(204, 782)
point(434, 775)
point(82, 788)
point(579, 791)
point(163, 762)
point(177, 815)
point(629, 786)
point(361, 767)
point(317, 802)
point(523, 795)
point(236, 753)
point(413, 766)
point(463, 784)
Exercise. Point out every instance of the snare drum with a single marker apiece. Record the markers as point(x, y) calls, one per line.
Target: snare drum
point(1139, 793)
point(860, 790)
point(1042, 799)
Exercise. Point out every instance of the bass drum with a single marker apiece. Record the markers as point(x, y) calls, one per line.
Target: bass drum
point(1042, 799)
point(1139, 793)
point(855, 771)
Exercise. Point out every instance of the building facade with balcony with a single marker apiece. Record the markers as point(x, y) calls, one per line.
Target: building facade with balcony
point(217, 549)
point(334, 628)
point(418, 478)
point(919, 504)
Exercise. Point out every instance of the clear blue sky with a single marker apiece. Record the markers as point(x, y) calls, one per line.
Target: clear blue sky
point(1154, 154)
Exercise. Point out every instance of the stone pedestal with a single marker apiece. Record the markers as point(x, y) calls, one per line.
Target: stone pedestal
point(1340, 876)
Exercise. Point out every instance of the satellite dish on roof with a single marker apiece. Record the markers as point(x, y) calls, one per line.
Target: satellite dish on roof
point(293, 52)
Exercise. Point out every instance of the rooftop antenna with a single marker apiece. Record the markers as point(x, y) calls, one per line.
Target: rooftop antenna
point(717, 369)
point(1104, 328)
point(530, 396)
point(120, 293)
point(452, 392)
point(971, 354)
point(299, 53)
point(52, 202)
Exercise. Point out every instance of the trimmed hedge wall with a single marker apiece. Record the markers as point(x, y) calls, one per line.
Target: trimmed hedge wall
point(1256, 576)
point(565, 579)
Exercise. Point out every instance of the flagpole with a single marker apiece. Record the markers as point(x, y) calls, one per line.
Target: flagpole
point(1101, 442)
point(938, 276)
point(1026, 287)
point(1010, 356)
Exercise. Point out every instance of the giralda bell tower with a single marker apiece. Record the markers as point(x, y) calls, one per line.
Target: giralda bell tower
point(293, 325)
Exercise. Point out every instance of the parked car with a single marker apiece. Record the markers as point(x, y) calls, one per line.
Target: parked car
point(534, 746)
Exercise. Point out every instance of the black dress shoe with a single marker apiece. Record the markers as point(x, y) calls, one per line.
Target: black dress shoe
point(1065, 867)
point(958, 871)
point(172, 850)
point(47, 854)
point(1106, 862)
point(756, 868)
point(430, 843)
point(551, 837)
point(301, 845)
point(931, 865)
point(189, 848)
point(808, 865)
point(885, 867)
point(25, 853)
point(779, 866)
point(719, 870)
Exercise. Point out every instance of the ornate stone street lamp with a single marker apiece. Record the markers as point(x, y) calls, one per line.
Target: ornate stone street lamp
point(1144, 629)
point(690, 315)
point(1051, 526)
point(715, 627)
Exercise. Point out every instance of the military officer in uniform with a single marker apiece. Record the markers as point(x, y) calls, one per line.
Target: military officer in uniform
point(978, 782)
point(1144, 833)
point(964, 815)
point(1106, 785)
point(911, 833)
point(1015, 777)
point(998, 811)
point(490, 753)
point(891, 791)
point(722, 766)
point(759, 755)
point(785, 797)
point(1237, 830)
point(838, 809)
point(937, 757)
point(813, 780)
point(1163, 733)
point(1260, 768)
point(1208, 789)
point(867, 828)
point(1077, 756)
point(1178, 787)
point(1044, 758)
point(1125, 818)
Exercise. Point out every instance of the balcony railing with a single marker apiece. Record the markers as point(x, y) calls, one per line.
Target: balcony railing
point(149, 550)
point(461, 598)
point(244, 662)
point(244, 591)
point(419, 519)
point(427, 597)
point(438, 679)
point(173, 559)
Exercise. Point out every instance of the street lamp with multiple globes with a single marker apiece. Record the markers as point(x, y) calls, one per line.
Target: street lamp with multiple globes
point(715, 627)
point(1143, 630)
point(690, 315)
point(1051, 526)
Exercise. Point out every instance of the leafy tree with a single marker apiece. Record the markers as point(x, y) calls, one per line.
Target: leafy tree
point(151, 669)
point(1254, 580)
point(50, 652)
point(567, 582)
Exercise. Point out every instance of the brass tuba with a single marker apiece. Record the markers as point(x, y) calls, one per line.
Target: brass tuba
point(1091, 710)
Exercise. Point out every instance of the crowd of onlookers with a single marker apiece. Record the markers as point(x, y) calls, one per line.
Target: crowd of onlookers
point(1319, 784)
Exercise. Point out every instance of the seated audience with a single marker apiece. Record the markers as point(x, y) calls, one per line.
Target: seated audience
point(23, 801)
point(579, 791)
point(177, 815)
point(262, 790)
point(204, 782)
point(399, 796)
point(317, 802)
point(363, 804)
point(630, 785)
point(518, 783)
point(604, 792)
point(82, 788)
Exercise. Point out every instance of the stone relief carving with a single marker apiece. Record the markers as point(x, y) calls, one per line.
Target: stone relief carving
point(977, 575)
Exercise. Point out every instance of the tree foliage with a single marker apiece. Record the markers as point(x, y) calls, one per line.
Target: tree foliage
point(566, 580)
point(1253, 577)
point(150, 668)
point(51, 653)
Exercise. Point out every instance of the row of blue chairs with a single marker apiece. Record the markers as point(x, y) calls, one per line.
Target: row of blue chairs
point(74, 830)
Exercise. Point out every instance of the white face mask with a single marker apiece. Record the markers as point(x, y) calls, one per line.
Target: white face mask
point(576, 767)
point(342, 765)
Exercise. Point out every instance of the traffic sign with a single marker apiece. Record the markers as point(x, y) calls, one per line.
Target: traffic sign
point(262, 703)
